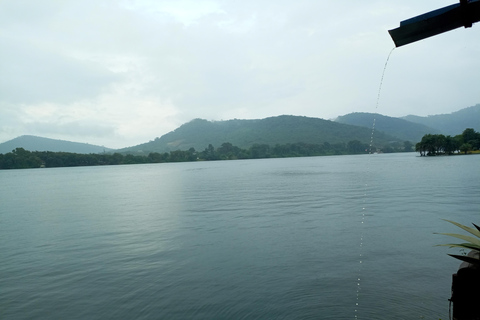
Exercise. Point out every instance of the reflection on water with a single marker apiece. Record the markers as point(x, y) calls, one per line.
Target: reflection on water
point(275, 238)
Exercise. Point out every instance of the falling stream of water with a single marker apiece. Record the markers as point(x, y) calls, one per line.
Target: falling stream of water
point(362, 222)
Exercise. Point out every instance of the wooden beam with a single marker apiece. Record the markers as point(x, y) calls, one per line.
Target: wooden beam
point(463, 14)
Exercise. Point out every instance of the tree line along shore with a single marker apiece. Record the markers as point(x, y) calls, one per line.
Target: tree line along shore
point(431, 144)
point(23, 159)
point(439, 144)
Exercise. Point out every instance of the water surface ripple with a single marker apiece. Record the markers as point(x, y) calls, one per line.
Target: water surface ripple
point(255, 239)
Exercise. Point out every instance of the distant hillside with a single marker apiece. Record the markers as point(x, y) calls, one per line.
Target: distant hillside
point(200, 133)
point(33, 143)
point(403, 129)
point(453, 123)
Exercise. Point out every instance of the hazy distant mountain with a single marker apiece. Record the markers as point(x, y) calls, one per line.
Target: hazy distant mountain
point(403, 129)
point(281, 130)
point(33, 143)
point(200, 133)
point(453, 123)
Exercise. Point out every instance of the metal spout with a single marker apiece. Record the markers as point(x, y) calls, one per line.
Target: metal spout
point(462, 14)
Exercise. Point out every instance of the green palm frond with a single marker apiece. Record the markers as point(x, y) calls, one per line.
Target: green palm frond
point(478, 228)
point(460, 245)
point(475, 232)
point(473, 243)
point(471, 240)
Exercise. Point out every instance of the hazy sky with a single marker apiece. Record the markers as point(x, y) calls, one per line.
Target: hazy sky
point(120, 73)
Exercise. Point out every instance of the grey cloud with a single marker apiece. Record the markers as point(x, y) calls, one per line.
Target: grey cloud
point(33, 75)
point(247, 58)
point(73, 129)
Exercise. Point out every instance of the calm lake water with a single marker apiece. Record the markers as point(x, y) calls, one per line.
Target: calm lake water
point(298, 238)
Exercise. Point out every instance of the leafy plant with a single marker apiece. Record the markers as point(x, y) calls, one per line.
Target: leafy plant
point(473, 243)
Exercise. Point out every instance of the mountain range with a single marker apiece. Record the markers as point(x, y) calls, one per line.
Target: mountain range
point(397, 127)
point(34, 143)
point(199, 133)
point(453, 123)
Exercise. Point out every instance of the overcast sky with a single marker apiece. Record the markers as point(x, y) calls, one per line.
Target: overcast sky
point(120, 73)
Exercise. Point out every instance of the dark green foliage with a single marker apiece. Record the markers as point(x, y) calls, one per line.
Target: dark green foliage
point(436, 144)
point(472, 138)
point(356, 146)
point(21, 158)
point(209, 153)
point(465, 148)
point(245, 134)
point(227, 151)
point(407, 146)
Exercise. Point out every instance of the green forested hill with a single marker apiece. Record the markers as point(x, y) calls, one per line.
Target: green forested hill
point(400, 128)
point(33, 143)
point(452, 123)
point(349, 132)
point(199, 133)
